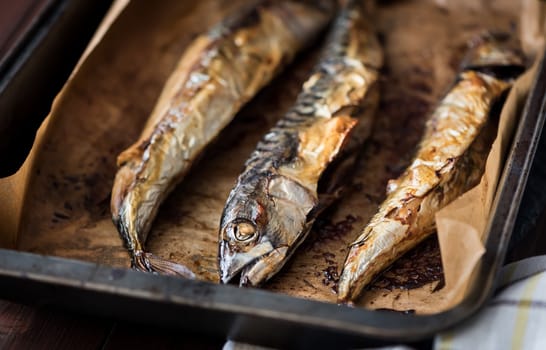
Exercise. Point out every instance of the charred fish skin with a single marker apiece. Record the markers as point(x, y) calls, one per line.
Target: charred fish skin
point(270, 210)
point(449, 161)
point(219, 72)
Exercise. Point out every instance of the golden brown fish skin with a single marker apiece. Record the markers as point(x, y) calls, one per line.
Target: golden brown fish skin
point(296, 169)
point(219, 72)
point(449, 161)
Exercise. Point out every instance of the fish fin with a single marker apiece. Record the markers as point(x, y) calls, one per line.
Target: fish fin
point(131, 154)
point(148, 262)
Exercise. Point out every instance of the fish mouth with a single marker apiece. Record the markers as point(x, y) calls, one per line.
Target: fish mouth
point(263, 268)
point(232, 262)
point(254, 266)
point(348, 285)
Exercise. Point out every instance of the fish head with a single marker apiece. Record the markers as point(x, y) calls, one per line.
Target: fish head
point(260, 229)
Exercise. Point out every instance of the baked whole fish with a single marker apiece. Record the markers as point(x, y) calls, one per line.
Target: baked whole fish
point(299, 166)
point(219, 72)
point(449, 161)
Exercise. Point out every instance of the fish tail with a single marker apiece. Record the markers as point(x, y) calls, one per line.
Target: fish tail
point(148, 262)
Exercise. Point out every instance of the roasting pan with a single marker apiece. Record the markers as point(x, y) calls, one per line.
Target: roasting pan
point(263, 317)
point(40, 42)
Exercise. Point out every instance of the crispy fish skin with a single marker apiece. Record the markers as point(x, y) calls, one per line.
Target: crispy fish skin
point(449, 161)
point(298, 166)
point(220, 71)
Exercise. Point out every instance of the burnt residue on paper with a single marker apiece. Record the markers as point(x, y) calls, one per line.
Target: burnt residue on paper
point(419, 267)
point(325, 230)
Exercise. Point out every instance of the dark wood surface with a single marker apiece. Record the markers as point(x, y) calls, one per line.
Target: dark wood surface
point(34, 327)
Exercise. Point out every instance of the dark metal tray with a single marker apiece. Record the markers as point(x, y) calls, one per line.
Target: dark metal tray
point(40, 43)
point(263, 317)
point(259, 316)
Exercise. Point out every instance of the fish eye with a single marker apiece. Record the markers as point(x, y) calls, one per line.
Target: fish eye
point(243, 230)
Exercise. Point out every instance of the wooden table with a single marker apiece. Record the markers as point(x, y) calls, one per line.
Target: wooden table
point(30, 327)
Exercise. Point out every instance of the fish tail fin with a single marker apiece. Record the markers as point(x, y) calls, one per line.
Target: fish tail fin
point(148, 262)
